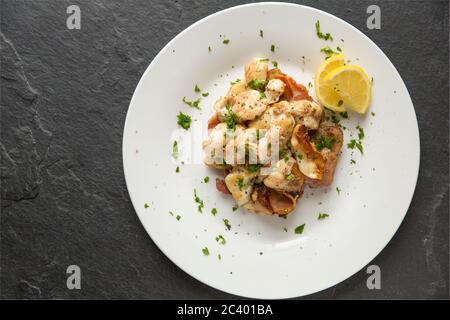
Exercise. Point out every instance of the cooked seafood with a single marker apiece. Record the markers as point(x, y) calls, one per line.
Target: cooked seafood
point(271, 140)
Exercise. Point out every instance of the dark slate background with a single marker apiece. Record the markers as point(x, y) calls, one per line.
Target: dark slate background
point(64, 97)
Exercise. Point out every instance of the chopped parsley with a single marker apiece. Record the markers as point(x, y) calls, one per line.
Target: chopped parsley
point(290, 177)
point(275, 64)
point(227, 224)
point(322, 216)
point(205, 94)
point(197, 88)
point(262, 95)
point(373, 114)
point(272, 48)
point(344, 114)
point(146, 205)
point(177, 170)
point(178, 217)
point(184, 120)
point(175, 150)
point(205, 251)
point(199, 202)
point(219, 257)
point(310, 84)
point(234, 208)
point(339, 49)
point(264, 60)
point(256, 84)
point(209, 48)
point(235, 81)
point(360, 132)
point(352, 161)
point(252, 168)
point(261, 33)
point(299, 229)
point(231, 119)
point(193, 104)
point(171, 213)
point(226, 41)
point(328, 51)
point(206, 179)
point(353, 143)
point(338, 190)
point(325, 142)
point(220, 239)
point(320, 35)
point(241, 183)
point(213, 211)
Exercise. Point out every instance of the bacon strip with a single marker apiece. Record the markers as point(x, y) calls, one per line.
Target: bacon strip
point(222, 187)
point(294, 90)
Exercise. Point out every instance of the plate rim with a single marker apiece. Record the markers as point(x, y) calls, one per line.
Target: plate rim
point(186, 30)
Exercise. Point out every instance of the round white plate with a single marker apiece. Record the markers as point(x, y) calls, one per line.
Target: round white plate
point(260, 258)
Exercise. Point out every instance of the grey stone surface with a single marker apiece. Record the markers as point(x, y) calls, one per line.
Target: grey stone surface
point(64, 97)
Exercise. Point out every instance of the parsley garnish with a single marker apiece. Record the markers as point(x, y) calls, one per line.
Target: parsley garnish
point(219, 257)
point(234, 208)
point(226, 41)
point(272, 48)
point(175, 150)
point(227, 224)
point(344, 114)
point(205, 251)
point(261, 33)
point(235, 81)
point(209, 49)
point(178, 217)
point(205, 94)
point(328, 51)
point(206, 179)
point(360, 132)
point(325, 36)
point(193, 104)
point(197, 88)
point(184, 120)
point(290, 177)
point(275, 64)
point(252, 168)
point(231, 119)
point(256, 84)
point(177, 170)
point(353, 143)
point(213, 211)
point(241, 183)
point(262, 95)
point(146, 205)
point(299, 229)
point(322, 216)
point(338, 190)
point(220, 239)
point(198, 201)
point(324, 142)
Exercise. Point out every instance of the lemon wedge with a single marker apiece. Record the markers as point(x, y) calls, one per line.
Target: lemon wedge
point(353, 86)
point(325, 92)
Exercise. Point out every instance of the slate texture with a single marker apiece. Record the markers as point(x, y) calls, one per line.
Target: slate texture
point(64, 97)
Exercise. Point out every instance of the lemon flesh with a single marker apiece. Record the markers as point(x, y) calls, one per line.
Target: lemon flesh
point(353, 86)
point(325, 92)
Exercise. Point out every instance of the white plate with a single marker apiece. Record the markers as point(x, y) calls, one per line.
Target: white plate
point(376, 191)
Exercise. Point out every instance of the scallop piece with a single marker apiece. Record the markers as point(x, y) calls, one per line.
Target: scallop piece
point(276, 117)
point(274, 90)
point(285, 175)
point(240, 184)
point(248, 105)
point(256, 70)
point(214, 145)
point(305, 112)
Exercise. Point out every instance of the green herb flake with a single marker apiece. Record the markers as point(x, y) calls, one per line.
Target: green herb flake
point(344, 114)
point(235, 81)
point(206, 179)
point(171, 213)
point(178, 217)
point(219, 257)
point(338, 190)
point(230, 119)
point(256, 84)
point(373, 114)
point(262, 95)
point(227, 224)
point(322, 216)
point(234, 208)
point(325, 142)
point(213, 211)
point(320, 35)
point(310, 85)
point(290, 177)
point(177, 170)
point(205, 251)
point(193, 104)
point(352, 161)
point(205, 94)
point(285, 229)
point(226, 41)
point(197, 88)
point(261, 33)
point(360, 132)
point(328, 51)
point(299, 229)
point(353, 143)
point(272, 48)
point(146, 205)
point(252, 168)
point(339, 49)
point(241, 183)
point(184, 120)
point(275, 64)
point(199, 202)
point(220, 239)
point(209, 49)
point(175, 153)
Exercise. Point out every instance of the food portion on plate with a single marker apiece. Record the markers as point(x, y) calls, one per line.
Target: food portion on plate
point(271, 139)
